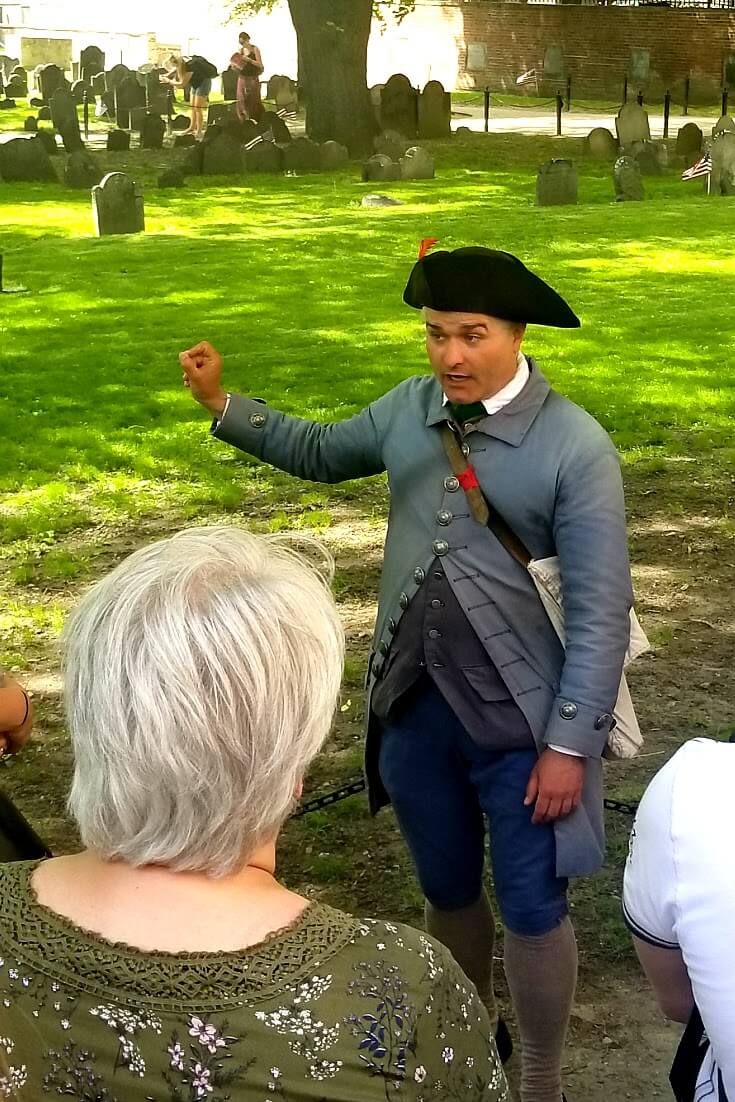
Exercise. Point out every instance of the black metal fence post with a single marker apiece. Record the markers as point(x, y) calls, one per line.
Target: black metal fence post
point(170, 108)
point(559, 109)
point(625, 88)
point(487, 108)
point(639, 98)
point(667, 109)
point(725, 97)
point(687, 84)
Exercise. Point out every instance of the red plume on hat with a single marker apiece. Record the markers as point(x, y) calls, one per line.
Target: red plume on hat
point(426, 244)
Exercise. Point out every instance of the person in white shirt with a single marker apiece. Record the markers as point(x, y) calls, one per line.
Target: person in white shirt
point(679, 903)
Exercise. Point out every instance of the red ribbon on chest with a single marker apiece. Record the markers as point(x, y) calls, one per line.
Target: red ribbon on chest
point(468, 479)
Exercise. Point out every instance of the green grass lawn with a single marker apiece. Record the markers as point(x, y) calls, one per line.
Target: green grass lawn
point(300, 287)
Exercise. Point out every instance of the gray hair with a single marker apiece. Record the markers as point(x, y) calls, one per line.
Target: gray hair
point(201, 679)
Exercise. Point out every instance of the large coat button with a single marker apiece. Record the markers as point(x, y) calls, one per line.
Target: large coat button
point(418, 575)
point(444, 517)
point(257, 420)
point(435, 634)
point(403, 601)
point(384, 648)
point(440, 547)
point(451, 483)
point(568, 710)
point(603, 721)
point(465, 450)
point(392, 626)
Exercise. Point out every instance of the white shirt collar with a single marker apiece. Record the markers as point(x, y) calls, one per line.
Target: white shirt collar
point(510, 391)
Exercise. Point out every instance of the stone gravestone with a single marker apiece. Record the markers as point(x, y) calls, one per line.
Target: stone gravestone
point(48, 141)
point(332, 155)
point(689, 141)
point(180, 122)
point(272, 123)
point(65, 120)
point(172, 177)
point(128, 94)
point(380, 167)
point(281, 90)
point(44, 114)
point(117, 204)
point(99, 84)
point(222, 157)
point(137, 116)
point(93, 57)
point(16, 89)
point(722, 181)
point(191, 163)
point(434, 111)
point(265, 157)
point(156, 94)
point(242, 130)
point(627, 180)
point(216, 112)
point(78, 88)
point(301, 155)
point(728, 70)
point(50, 79)
point(632, 125)
point(417, 164)
point(723, 124)
point(26, 159)
point(399, 106)
point(81, 170)
point(651, 157)
point(391, 143)
point(556, 183)
point(229, 79)
point(31, 124)
point(7, 64)
point(601, 144)
point(116, 75)
point(640, 65)
point(553, 68)
point(152, 132)
point(182, 141)
point(118, 141)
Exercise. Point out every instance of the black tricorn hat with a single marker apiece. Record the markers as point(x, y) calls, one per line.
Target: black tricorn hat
point(476, 280)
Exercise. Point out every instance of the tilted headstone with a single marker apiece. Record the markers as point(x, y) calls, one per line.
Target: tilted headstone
point(65, 119)
point(49, 143)
point(417, 164)
point(31, 124)
point(81, 170)
point(26, 159)
point(271, 123)
point(399, 106)
point(180, 122)
point(93, 56)
point(128, 94)
point(601, 144)
point(556, 183)
point(172, 177)
point(222, 157)
point(118, 141)
point(722, 149)
point(391, 144)
point(688, 140)
point(434, 111)
point(632, 125)
point(380, 167)
point(117, 203)
point(332, 155)
point(380, 201)
point(152, 132)
point(50, 80)
point(265, 157)
point(627, 180)
point(723, 124)
point(301, 155)
point(229, 79)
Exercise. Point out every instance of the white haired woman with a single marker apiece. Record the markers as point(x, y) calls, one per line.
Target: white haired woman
point(166, 961)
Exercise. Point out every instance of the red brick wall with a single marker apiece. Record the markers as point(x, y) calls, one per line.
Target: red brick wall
point(596, 42)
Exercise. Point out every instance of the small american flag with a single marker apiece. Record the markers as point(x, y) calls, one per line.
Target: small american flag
point(527, 77)
point(702, 167)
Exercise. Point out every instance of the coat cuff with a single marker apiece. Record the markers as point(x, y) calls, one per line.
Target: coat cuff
point(574, 726)
point(242, 423)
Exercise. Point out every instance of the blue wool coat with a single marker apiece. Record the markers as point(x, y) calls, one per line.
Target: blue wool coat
point(551, 470)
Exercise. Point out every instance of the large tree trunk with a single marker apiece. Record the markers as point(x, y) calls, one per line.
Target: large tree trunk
point(333, 37)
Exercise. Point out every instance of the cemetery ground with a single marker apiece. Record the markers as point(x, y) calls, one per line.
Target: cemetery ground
point(103, 450)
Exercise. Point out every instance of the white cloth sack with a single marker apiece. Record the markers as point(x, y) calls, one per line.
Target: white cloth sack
point(625, 739)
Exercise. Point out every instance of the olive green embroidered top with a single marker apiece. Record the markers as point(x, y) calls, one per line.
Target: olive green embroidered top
point(331, 1008)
